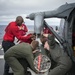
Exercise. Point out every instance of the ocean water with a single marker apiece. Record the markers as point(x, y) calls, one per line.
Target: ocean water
point(2, 28)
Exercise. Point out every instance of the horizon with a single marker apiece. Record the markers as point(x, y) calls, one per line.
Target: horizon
point(50, 21)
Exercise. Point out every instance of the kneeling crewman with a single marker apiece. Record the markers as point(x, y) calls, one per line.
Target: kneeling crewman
point(22, 50)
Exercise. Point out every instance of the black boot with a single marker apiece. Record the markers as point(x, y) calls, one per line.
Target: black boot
point(11, 74)
point(29, 73)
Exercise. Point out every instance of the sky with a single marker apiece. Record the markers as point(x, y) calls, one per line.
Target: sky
point(10, 9)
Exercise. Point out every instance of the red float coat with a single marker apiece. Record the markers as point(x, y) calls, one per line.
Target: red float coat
point(47, 31)
point(13, 30)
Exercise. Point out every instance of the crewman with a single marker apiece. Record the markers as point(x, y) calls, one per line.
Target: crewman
point(62, 62)
point(24, 51)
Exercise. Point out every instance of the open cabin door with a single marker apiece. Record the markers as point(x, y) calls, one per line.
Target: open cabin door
point(71, 29)
point(73, 34)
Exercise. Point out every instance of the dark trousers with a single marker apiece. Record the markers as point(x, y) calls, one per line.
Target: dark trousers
point(6, 45)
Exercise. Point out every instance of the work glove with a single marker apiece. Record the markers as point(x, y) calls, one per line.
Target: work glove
point(33, 37)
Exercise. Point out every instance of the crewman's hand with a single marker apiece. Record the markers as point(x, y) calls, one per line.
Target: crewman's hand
point(33, 37)
point(35, 51)
point(46, 46)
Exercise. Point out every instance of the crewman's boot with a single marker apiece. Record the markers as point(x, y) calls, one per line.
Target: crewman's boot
point(29, 73)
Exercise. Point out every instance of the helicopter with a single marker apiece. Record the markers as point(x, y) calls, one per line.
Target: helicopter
point(66, 13)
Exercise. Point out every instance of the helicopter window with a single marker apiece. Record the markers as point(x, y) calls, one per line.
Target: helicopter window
point(54, 23)
point(61, 28)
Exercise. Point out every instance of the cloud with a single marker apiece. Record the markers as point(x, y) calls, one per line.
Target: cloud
point(20, 6)
point(9, 9)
